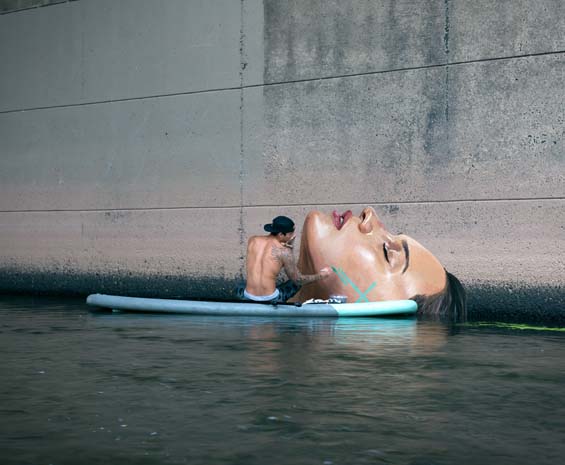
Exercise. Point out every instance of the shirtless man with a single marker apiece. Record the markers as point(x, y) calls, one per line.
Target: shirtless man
point(266, 256)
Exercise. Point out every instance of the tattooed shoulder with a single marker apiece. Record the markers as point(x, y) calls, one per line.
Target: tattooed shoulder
point(276, 253)
point(279, 253)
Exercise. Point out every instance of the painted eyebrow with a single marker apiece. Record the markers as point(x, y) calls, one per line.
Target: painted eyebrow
point(407, 254)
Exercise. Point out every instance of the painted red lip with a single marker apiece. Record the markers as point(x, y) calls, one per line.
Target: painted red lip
point(340, 220)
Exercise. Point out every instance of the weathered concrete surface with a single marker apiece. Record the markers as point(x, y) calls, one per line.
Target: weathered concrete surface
point(181, 151)
point(419, 135)
point(369, 138)
point(167, 252)
point(319, 38)
point(482, 29)
point(157, 138)
point(507, 128)
point(99, 50)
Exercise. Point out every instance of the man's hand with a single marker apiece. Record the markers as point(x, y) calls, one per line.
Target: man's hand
point(325, 272)
point(290, 243)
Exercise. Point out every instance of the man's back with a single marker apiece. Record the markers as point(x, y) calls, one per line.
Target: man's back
point(266, 256)
point(263, 266)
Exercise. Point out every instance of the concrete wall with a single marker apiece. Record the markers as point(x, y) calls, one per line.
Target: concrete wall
point(142, 142)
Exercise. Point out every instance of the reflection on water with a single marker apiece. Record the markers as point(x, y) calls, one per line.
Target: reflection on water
point(78, 386)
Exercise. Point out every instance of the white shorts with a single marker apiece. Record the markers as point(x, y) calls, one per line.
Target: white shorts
point(261, 298)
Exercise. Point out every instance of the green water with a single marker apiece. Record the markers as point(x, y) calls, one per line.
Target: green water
point(101, 388)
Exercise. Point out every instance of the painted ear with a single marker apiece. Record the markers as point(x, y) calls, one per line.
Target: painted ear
point(396, 258)
point(366, 226)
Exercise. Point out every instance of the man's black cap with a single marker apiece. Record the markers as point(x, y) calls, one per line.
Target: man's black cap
point(280, 224)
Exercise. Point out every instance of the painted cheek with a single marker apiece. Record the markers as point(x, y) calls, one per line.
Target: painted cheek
point(366, 258)
point(317, 228)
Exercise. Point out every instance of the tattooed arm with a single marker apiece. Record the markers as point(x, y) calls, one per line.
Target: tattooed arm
point(286, 258)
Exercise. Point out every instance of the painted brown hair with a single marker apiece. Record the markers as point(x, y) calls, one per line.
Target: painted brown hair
point(450, 303)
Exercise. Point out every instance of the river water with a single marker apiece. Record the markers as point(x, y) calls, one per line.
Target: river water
point(97, 388)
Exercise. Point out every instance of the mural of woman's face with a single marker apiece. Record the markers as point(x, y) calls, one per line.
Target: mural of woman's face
point(372, 264)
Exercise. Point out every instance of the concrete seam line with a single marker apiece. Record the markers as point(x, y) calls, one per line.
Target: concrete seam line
point(18, 10)
point(242, 66)
point(231, 207)
point(297, 81)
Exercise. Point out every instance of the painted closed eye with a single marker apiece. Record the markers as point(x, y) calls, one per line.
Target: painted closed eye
point(385, 251)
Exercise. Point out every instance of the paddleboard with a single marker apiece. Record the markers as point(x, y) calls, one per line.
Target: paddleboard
point(197, 307)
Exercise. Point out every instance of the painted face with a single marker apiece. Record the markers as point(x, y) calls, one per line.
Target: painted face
point(372, 264)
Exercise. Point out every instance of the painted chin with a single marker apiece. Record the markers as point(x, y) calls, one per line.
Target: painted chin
point(339, 220)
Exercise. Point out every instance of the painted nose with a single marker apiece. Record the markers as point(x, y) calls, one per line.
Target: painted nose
point(370, 213)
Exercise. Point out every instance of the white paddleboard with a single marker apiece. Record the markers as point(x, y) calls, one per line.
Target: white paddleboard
point(197, 307)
